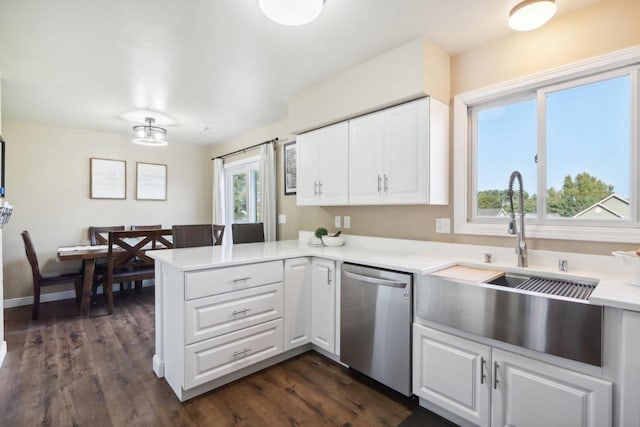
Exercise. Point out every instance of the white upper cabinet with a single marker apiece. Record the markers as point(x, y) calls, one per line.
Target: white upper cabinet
point(322, 171)
point(400, 155)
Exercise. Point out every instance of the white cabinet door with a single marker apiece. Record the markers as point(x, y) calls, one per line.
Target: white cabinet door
point(333, 164)
point(366, 142)
point(297, 302)
point(323, 166)
point(452, 373)
point(307, 169)
point(323, 301)
point(406, 153)
point(529, 393)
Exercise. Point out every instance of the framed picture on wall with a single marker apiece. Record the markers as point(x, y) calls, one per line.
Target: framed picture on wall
point(151, 181)
point(108, 178)
point(290, 168)
point(2, 190)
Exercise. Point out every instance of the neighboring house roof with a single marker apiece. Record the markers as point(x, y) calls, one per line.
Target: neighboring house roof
point(492, 212)
point(612, 206)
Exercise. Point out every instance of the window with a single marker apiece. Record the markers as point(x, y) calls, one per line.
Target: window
point(573, 135)
point(242, 195)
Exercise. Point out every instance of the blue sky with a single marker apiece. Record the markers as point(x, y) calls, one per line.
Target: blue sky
point(587, 131)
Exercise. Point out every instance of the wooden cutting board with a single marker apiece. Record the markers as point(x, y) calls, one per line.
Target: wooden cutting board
point(469, 273)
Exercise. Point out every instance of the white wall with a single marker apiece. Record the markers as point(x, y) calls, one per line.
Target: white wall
point(48, 185)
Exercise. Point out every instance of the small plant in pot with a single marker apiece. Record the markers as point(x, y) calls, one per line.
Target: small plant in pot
point(316, 239)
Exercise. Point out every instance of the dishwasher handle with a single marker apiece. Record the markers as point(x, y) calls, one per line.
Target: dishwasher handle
point(375, 280)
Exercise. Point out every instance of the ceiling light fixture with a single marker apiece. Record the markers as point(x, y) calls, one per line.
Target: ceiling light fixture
point(291, 12)
point(149, 134)
point(531, 14)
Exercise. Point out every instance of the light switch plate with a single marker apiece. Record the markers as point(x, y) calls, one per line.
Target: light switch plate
point(338, 221)
point(443, 225)
point(347, 221)
point(282, 219)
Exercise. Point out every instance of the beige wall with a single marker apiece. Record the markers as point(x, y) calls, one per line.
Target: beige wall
point(604, 27)
point(607, 26)
point(48, 184)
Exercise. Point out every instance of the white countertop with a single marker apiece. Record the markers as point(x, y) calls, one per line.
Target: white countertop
point(614, 288)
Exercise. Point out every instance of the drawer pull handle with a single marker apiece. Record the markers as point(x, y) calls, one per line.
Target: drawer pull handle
point(236, 312)
point(495, 375)
point(241, 279)
point(483, 376)
point(242, 352)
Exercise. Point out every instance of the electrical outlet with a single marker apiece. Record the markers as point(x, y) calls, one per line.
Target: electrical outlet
point(282, 219)
point(338, 221)
point(443, 225)
point(347, 221)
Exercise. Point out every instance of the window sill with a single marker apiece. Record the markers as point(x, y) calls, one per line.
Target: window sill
point(591, 234)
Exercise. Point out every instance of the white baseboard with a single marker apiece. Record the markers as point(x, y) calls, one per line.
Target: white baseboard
point(53, 296)
point(3, 351)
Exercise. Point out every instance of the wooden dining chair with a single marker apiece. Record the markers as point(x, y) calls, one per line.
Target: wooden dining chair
point(189, 236)
point(127, 260)
point(247, 232)
point(98, 235)
point(146, 227)
point(40, 280)
point(218, 234)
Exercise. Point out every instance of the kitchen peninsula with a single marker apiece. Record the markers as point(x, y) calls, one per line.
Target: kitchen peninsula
point(223, 312)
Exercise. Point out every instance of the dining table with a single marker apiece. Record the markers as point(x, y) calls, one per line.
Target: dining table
point(89, 255)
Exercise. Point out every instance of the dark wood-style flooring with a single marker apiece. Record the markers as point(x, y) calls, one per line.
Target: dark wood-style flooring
point(64, 370)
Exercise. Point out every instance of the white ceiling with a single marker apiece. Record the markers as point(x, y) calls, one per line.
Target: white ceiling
point(206, 63)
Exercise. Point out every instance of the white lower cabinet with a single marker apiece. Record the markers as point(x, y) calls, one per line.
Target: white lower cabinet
point(213, 358)
point(297, 302)
point(452, 373)
point(323, 298)
point(492, 387)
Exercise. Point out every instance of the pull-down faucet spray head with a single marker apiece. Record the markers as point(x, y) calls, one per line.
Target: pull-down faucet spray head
point(516, 224)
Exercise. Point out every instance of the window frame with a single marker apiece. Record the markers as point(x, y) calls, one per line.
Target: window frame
point(465, 167)
point(244, 165)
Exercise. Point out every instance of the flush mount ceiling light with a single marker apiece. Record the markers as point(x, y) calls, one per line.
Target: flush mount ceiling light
point(531, 14)
point(150, 135)
point(291, 12)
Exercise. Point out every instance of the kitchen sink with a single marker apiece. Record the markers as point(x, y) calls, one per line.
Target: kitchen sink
point(580, 290)
point(543, 314)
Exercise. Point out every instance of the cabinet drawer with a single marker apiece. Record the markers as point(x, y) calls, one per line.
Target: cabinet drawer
point(216, 357)
point(220, 314)
point(206, 283)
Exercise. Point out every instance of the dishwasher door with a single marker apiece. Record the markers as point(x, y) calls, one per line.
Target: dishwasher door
point(375, 324)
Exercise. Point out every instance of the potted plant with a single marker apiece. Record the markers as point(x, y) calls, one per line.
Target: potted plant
point(316, 239)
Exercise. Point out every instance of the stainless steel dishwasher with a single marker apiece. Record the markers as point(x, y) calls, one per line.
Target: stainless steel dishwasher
point(375, 324)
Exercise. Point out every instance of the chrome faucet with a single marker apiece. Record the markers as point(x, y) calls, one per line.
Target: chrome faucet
point(516, 222)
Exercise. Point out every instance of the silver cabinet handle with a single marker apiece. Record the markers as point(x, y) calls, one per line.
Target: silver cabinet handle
point(495, 375)
point(483, 376)
point(374, 280)
point(245, 310)
point(242, 352)
point(315, 188)
point(320, 187)
point(386, 183)
point(328, 276)
point(379, 183)
point(241, 279)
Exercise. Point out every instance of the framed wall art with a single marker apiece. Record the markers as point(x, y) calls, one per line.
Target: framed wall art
point(151, 181)
point(108, 179)
point(290, 168)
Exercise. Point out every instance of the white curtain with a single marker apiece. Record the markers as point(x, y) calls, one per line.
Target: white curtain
point(218, 192)
point(267, 169)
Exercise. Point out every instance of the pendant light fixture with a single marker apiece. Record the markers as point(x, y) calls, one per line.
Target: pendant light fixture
point(291, 12)
point(531, 14)
point(149, 134)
